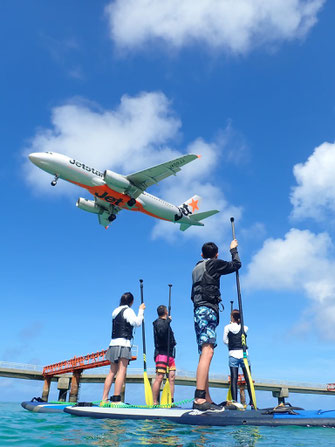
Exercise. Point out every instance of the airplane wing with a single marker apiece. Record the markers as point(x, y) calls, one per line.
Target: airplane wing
point(103, 217)
point(143, 179)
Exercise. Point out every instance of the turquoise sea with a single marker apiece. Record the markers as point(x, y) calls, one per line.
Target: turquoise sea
point(20, 427)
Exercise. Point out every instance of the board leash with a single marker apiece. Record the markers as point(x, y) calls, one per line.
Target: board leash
point(122, 405)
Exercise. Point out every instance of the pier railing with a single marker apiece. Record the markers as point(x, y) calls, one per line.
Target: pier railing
point(21, 366)
point(35, 372)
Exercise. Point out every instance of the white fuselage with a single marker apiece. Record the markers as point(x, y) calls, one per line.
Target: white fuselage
point(92, 179)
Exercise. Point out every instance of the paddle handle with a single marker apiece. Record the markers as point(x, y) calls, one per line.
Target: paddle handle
point(170, 287)
point(232, 220)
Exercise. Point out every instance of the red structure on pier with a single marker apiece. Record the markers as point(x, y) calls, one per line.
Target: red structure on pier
point(89, 361)
point(76, 366)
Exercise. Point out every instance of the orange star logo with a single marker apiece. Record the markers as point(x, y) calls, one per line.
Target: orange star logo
point(194, 205)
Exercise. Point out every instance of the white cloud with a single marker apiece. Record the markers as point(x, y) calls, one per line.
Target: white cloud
point(314, 197)
point(235, 26)
point(135, 135)
point(195, 179)
point(132, 136)
point(302, 261)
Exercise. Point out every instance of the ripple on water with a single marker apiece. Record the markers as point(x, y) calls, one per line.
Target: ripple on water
point(20, 427)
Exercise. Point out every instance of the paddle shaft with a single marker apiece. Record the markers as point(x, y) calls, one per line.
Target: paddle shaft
point(143, 331)
point(168, 339)
point(244, 345)
point(243, 336)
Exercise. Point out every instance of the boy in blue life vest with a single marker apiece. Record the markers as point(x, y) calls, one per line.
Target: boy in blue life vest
point(206, 297)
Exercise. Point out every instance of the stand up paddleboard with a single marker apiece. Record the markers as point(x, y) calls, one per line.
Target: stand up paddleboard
point(46, 407)
point(316, 418)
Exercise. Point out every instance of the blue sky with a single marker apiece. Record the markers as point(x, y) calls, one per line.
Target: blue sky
point(250, 86)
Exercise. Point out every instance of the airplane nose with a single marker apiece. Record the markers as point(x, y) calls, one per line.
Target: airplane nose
point(40, 159)
point(34, 157)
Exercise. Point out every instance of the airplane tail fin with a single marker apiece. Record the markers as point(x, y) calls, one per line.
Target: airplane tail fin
point(184, 226)
point(197, 218)
point(201, 216)
point(193, 204)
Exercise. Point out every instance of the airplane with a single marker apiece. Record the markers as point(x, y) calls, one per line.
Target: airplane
point(113, 192)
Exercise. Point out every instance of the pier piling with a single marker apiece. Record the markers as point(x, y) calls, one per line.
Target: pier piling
point(281, 395)
point(63, 385)
point(46, 388)
point(75, 384)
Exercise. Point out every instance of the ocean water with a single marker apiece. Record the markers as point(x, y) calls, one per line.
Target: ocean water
point(19, 427)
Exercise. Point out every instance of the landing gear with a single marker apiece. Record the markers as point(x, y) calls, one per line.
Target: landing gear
point(131, 202)
point(54, 181)
point(112, 217)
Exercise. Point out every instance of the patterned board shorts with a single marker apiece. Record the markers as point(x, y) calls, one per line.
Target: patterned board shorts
point(205, 323)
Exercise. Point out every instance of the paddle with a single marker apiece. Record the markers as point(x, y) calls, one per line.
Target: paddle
point(166, 398)
point(229, 396)
point(147, 387)
point(244, 344)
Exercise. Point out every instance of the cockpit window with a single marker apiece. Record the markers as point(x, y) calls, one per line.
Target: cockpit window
point(49, 153)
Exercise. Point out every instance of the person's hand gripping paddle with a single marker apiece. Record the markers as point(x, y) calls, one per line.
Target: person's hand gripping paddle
point(147, 387)
point(166, 398)
point(244, 344)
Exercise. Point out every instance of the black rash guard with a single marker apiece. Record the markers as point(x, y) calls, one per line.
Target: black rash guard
point(218, 267)
point(161, 328)
point(206, 287)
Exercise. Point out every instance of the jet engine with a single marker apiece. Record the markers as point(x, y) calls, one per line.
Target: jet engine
point(89, 205)
point(115, 181)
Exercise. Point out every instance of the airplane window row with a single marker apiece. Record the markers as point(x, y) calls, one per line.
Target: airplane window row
point(157, 198)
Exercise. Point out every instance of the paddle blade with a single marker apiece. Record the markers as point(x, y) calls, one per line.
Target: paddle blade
point(252, 388)
point(166, 398)
point(149, 400)
point(229, 396)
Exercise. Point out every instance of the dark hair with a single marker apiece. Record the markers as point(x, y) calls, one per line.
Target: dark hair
point(209, 250)
point(235, 315)
point(126, 299)
point(161, 310)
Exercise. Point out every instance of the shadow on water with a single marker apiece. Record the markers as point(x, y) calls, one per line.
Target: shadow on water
point(163, 433)
point(247, 436)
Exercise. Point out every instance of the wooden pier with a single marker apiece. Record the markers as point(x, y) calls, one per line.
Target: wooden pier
point(182, 378)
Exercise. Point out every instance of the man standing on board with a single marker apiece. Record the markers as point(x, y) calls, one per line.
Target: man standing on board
point(206, 297)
